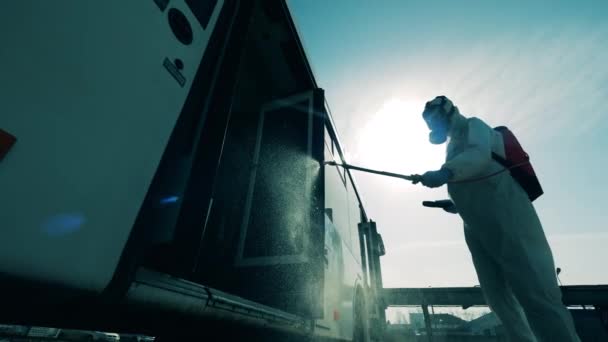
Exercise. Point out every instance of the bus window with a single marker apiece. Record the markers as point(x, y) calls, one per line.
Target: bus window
point(328, 155)
point(354, 218)
point(332, 155)
point(335, 196)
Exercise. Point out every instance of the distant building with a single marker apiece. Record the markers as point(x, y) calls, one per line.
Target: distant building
point(487, 325)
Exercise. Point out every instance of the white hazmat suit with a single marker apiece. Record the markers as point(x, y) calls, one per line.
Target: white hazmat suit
point(509, 249)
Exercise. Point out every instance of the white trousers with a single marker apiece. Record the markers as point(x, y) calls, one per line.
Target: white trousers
point(513, 260)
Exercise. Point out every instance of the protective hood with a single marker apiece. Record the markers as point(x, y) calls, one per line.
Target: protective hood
point(458, 124)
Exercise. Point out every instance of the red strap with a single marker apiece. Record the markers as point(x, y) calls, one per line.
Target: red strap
point(7, 141)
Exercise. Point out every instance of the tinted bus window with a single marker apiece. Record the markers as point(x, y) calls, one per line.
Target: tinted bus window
point(354, 218)
point(336, 202)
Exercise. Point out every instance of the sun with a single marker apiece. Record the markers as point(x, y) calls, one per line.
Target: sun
point(395, 139)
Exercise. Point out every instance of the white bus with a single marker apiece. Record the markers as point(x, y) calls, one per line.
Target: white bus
point(162, 171)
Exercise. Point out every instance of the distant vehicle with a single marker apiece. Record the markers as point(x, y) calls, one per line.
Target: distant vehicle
point(168, 175)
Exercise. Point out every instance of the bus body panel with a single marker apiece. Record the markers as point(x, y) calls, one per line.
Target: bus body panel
point(93, 129)
point(92, 92)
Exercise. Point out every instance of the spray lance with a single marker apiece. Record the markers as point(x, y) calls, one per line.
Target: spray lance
point(411, 178)
point(446, 205)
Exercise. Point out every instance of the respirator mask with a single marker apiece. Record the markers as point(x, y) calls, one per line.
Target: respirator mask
point(439, 130)
point(437, 118)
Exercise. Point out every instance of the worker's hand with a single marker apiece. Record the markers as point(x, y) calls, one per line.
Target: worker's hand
point(416, 179)
point(435, 179)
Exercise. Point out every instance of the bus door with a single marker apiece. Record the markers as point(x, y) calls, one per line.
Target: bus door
point(280, 250)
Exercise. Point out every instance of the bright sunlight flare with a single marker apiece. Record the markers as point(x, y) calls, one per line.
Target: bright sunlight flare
point(395, 139)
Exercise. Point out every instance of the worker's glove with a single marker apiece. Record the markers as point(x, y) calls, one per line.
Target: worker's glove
point(435, 179)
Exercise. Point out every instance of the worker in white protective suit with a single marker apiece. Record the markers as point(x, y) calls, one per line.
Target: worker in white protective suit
point(509, 249)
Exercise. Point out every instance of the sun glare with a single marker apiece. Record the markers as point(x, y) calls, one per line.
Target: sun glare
point(396, 139)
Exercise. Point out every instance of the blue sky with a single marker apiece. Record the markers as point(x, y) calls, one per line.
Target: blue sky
point(535, 66)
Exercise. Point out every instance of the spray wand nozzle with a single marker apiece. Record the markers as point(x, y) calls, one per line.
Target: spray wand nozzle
point(412, 178)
